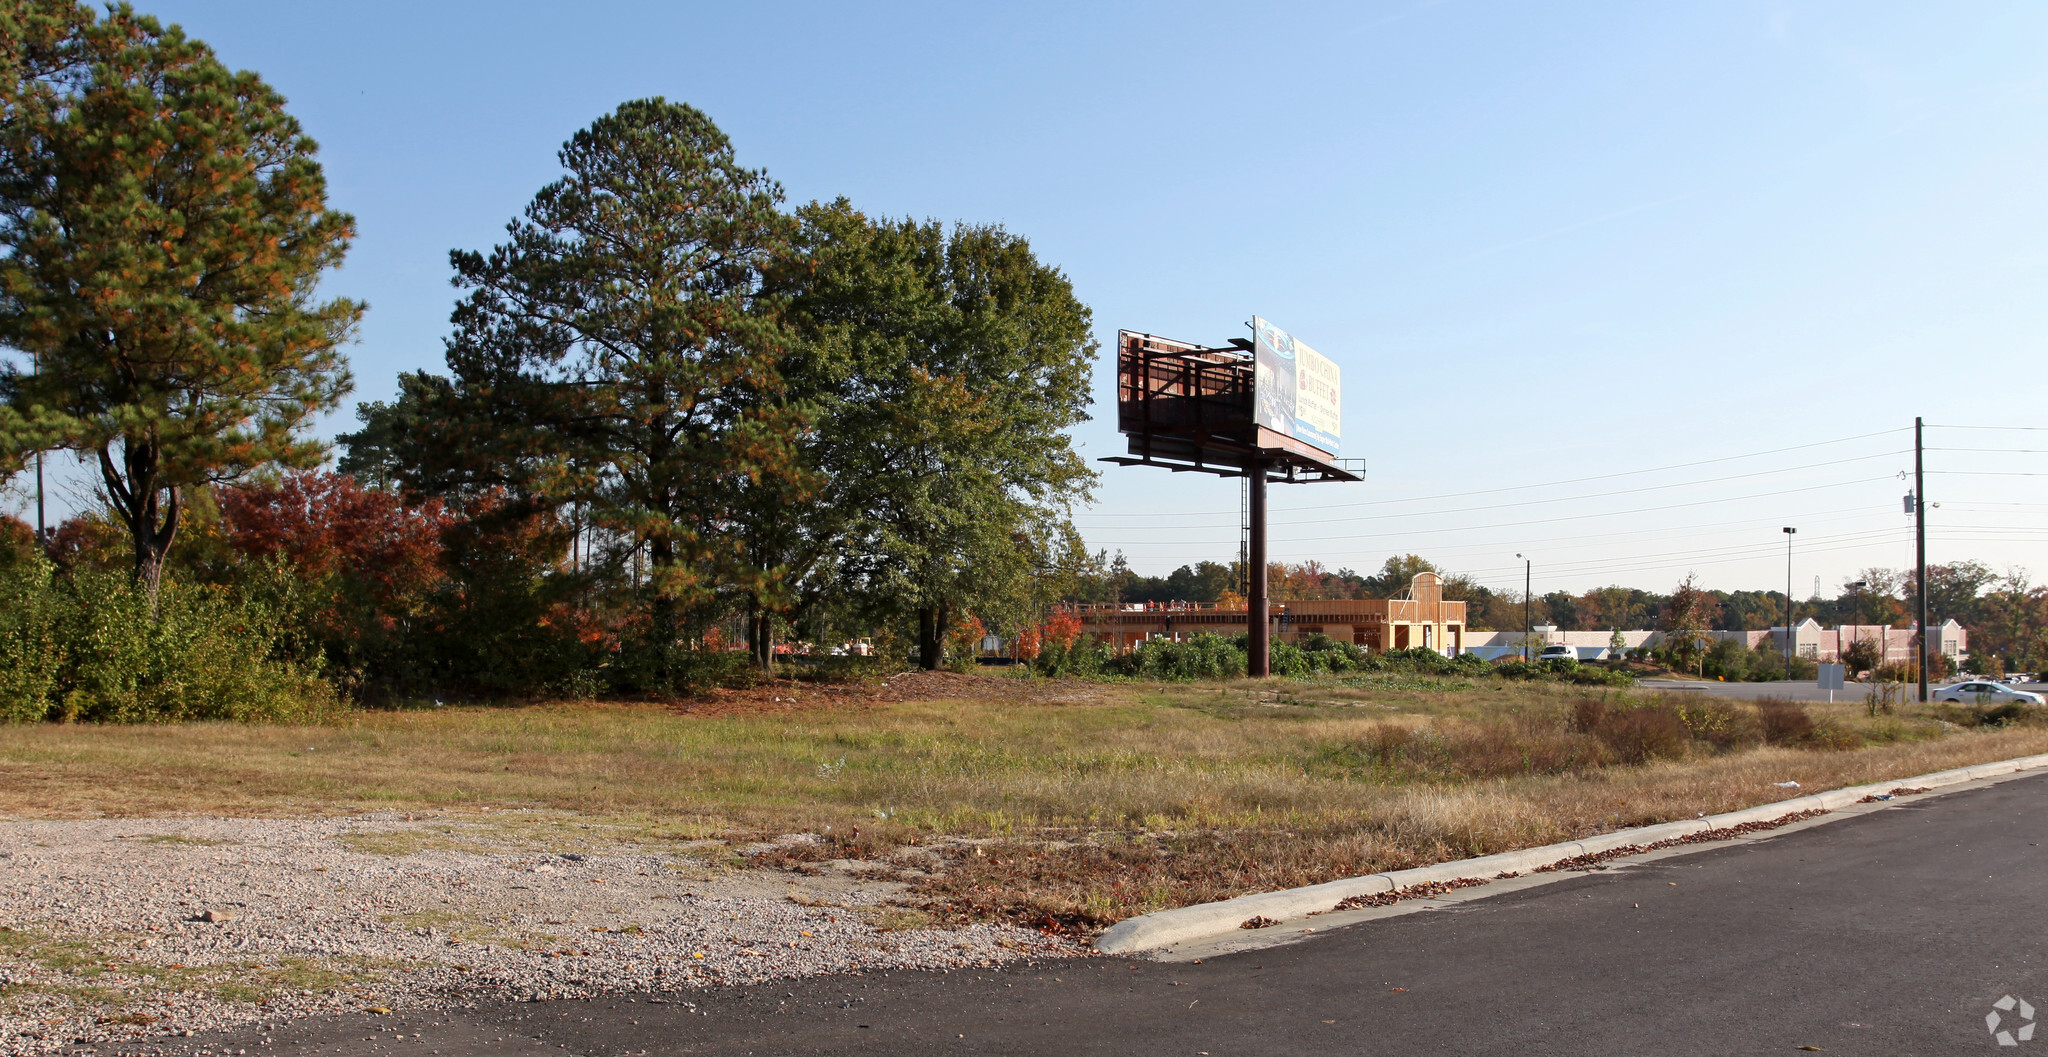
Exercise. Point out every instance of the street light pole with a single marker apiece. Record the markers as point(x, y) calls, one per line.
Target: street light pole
point(1789, 530)
point(1528, 564)
point(1920, 547)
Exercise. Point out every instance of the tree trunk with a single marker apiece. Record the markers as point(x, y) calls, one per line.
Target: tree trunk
point(663, 632)
point(149, 512)
point(931, 637)
point(761, 635)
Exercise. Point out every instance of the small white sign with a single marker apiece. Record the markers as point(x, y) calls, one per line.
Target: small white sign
point(1831, 677)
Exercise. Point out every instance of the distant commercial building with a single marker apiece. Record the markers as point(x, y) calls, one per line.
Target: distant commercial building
point(1809, 640)
point(1420, 617)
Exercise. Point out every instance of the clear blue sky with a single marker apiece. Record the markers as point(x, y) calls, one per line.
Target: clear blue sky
point(1545, 242)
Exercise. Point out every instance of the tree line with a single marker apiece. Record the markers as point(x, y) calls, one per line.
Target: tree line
point(676, 413)
point(2006, 614)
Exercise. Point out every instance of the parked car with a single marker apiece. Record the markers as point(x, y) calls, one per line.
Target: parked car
point(1559, 653)
point(1985, 692)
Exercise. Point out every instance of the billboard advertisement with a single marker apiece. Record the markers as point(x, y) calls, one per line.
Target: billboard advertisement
point(1297, 390)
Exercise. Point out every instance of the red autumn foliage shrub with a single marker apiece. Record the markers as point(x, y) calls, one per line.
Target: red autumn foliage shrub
point(325, 524)
point(413, 598)
point(90, 541)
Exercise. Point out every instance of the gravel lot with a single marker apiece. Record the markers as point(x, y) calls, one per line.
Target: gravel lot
point(126, 929)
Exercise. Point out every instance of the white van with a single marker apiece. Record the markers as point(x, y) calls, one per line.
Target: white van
point(1559, 653)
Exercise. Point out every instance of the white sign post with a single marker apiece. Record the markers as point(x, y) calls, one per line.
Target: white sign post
point(1831, 679)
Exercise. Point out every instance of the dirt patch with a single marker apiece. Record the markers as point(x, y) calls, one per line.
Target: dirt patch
point(114, 935)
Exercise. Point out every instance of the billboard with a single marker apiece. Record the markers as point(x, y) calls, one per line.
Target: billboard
point(1296, 390)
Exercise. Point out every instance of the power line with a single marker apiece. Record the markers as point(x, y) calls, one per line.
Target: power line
point(1555, 484)
point(1644, 534)
point(1570, 499)
point(1609, 513)
point(1596, 495)
point(1771, 547)
point(1636, 567)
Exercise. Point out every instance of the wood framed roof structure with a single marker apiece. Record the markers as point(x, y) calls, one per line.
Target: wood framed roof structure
point(1419, 616)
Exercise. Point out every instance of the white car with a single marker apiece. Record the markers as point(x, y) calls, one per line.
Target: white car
point(1985, 692)
point(1559, 653)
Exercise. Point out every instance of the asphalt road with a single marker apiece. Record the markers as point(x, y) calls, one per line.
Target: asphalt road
point(1806, 691)
point(1890, 934)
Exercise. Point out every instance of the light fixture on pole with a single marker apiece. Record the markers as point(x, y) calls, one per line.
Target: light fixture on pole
point(1528, 564)
point(1789, 530)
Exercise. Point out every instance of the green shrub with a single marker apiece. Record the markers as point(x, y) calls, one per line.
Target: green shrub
point(1082, 656)
point(1519, 669)
point(1202, 657)
point(86, 646)
point(1721, 725)
point(644, 666)
point(1285, 659)
point(1330, 655)
point(1560, 671)
point(31, 644)
point(1589, 675)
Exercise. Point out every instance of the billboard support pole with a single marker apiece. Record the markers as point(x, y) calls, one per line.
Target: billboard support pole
point(1257, 625)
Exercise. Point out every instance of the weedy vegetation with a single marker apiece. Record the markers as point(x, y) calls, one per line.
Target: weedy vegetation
point(1062, 813)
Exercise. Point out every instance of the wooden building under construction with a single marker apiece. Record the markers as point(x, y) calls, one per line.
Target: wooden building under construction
point(1418, 618)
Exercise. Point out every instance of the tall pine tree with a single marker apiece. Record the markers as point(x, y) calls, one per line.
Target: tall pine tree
point(163, 230)
point(619, 352)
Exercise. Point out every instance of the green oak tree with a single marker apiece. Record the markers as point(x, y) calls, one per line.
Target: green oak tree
point(965, 360)
point(1685, 622)
point(163, 231)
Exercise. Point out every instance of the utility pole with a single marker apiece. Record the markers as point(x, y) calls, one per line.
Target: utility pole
point(1258, 633)
point(1789, 530)
point(1528, 564)
point(1920, 544)
point(42, 520)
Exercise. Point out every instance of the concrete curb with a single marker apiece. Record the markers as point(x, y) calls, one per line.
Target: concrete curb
point(1208, 920)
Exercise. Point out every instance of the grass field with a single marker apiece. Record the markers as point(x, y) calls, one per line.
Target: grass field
point(1076, 813)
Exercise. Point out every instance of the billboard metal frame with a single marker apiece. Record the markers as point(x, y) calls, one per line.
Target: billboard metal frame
point(1192, 409)
point(1189, 408)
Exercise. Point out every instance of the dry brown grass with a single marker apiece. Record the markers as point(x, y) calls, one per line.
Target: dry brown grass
point(1099, 805)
